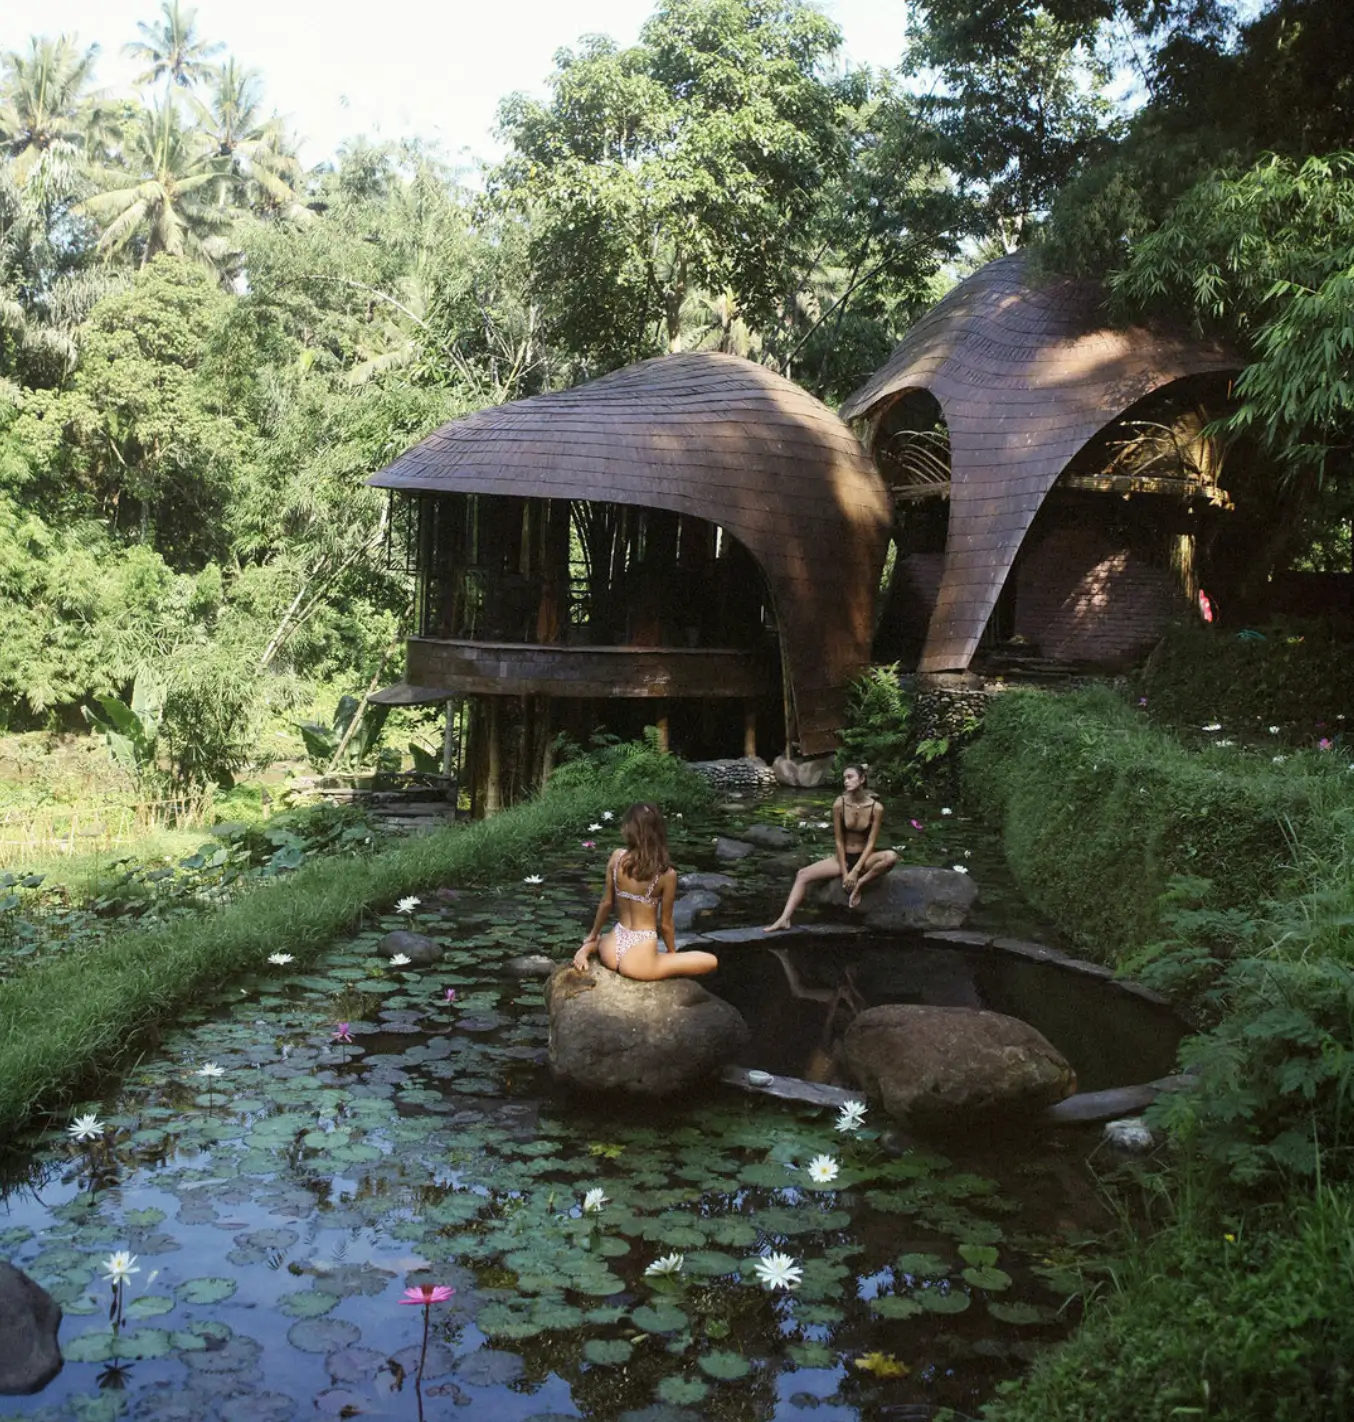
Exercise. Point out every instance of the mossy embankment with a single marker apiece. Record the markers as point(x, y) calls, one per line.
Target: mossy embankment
point(69, 1021)
point(1226, 877)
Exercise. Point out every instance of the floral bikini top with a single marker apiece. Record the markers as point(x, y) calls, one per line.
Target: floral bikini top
point(647, 897)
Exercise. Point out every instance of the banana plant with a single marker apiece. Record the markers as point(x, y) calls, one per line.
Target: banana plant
point(323, 742)
point(131, 730)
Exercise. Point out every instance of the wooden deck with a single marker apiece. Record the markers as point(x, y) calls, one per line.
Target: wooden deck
point(466, 668)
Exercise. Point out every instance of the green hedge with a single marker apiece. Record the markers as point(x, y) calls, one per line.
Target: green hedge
point(1100, 810)
point(68, 1021)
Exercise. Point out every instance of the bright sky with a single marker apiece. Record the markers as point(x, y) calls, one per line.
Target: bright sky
point(401, 67)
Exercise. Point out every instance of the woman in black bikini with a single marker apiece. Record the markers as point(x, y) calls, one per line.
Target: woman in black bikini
point(642, 884)
point(856, 817)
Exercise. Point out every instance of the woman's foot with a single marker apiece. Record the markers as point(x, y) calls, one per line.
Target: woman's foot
point(780, 923)
point(854, 900)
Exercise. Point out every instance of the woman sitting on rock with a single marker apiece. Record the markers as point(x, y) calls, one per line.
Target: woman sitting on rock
point(856, 818)
point(642, 883)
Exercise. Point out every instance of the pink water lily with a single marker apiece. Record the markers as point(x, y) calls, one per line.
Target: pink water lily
point(916, 824)
point(450, 995)
point(342, 1033)
point(589, 844)
point(422, 1295)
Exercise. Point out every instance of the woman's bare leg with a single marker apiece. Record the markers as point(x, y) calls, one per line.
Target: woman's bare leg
point(818, 870)
point(881, 861)
point(689, 963)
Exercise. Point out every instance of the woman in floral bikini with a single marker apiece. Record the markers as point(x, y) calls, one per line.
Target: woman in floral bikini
point(641, 883)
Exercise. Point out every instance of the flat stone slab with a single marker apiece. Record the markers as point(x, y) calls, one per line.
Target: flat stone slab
point(755, 934)
point(1090, 1106)
point(790, 1088)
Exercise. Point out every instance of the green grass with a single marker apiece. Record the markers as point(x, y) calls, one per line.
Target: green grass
point(1099, 811)
point(1246, 1319)
point(69, 1021)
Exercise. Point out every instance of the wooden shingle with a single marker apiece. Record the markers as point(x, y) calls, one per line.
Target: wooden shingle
point(1025, 375)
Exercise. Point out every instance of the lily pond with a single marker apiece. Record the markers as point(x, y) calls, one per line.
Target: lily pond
point(298, 1219)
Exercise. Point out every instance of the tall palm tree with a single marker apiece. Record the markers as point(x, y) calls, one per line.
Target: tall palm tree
point(162, 193)
point(172, 49)
point(259, 167)
point(46, 106)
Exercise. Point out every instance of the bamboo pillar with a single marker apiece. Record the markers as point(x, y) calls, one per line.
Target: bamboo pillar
point(661, 723)
point(449, 739)
point(493, 789)
point(749, 728)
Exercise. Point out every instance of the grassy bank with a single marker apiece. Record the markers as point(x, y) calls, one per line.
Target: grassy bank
point(67, 1022)
point(1228, 879)
point(1100, 810)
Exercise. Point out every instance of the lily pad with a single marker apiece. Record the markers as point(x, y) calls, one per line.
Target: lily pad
point(710, 1263)
point(983, 1277)
point(1021, 1313)
point(658, 1318)
point(895, 1306)
point(943, 1300)
point(811, 1355)
point(607, 1350)
point(307, 1303)
point(149, 1306)
point(922, 1266)
point(681, 1391)
point(323, 1335)
point(725, 1365)
point(206, 1290)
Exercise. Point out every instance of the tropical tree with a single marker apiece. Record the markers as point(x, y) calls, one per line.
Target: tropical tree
point(263, 173)
point(172, 49)
point(48, 113)
point(688, 163)
point(161, 196)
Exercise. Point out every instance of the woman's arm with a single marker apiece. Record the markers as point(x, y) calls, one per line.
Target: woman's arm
point(603, 913)
point(839, 834)
point(876, 819)
point(665, 927)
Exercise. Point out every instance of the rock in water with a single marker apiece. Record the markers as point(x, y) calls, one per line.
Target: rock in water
point(714, 882)
point(421, 951)
point(532, 965)
point(1129, 1133)
point(943, 1068)
point(732, 848)
point(689, 907)
point(910, 896)
point(29, 1320)
point(802, 774)
point(769, 836)
point(610, 1033)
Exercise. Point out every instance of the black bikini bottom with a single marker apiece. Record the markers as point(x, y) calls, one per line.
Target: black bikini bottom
point(853, 858)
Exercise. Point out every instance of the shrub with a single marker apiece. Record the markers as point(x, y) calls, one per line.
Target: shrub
point(618, 773)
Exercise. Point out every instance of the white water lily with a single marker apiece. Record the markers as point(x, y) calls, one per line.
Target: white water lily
point(534, 879)
point(1213, 726)
point(668, 1265)
point(823, 1169)
point(594, 827)
point(958, 868)
point(280, 959)
point(1278, 759)
point(852, 1116)
point(779, 1271)
point(407, 905)
point(400, 960)
point(594, 1200)
point(1274, 730)
point(947, 811)
point(607, 815)
point(85, 1128)
point(210, 1069)
point(120, 1267)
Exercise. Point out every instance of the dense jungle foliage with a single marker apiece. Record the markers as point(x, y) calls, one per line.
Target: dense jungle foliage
point(204, 348)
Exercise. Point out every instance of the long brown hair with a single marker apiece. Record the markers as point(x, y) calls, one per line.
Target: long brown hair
point(646, 842)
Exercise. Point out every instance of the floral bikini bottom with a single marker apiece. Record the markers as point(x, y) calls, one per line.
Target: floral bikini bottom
point(627, 938)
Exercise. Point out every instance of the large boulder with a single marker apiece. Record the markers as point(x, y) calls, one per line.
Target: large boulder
point(421, 950)
point(713, 882)
point(29, 1320)
point(910, 896)
point(943, 1068)
point(611, 1033)
point(727, 849)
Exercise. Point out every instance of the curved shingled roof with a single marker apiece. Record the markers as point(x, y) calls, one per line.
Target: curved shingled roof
point(1025, 375)
point(722, 439)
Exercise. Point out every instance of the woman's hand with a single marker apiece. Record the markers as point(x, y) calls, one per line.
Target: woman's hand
point(583, 954)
